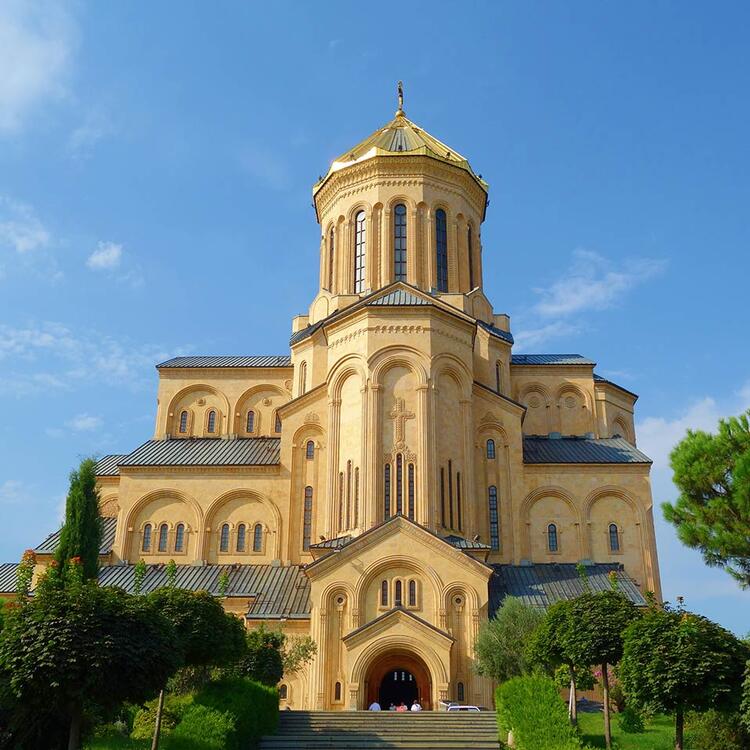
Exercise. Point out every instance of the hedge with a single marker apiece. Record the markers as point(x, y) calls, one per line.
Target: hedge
point(532, 709)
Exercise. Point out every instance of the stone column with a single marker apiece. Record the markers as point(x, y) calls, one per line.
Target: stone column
point(334, 411)
point(385, 265)
point(371, 480)
point(431, 280)
point(411, 247)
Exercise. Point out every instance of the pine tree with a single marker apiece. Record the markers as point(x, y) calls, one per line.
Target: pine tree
point(81, 536)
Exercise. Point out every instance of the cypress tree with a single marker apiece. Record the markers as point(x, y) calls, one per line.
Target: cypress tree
point(81, 535)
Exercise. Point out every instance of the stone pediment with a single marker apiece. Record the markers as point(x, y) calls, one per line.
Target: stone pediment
point(400, 622)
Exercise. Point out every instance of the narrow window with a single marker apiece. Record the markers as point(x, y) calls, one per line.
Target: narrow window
point(471, 258)
point(360, 243)
point(283, 692)
point(183, 421)
point(450, 493)
point(146, 545)
point(442, 496)
point(330, 260)
point(411, 492)
point(337, 692)
point(387, 481)
point(307, 519)
point(460, 691)
point(399, 485)
point(251, 421)
point(303, 378)
point(241, 537)
point(498, 377)
point(310, 450)
point(348, 494)
point(355, 510)
point(399, 242)
point(179, 538)
point(412, 593)
point(614, 538)
point(211, 427)
point(397, 596)
point(277, 423)
point(163, 538)
point(384, 594)
point(224, 538)
point(494, 518)
point(552, 538)
point(458, 501)
point(490, 448)
point(441, 250)
point(258, 538)
point(341, 501)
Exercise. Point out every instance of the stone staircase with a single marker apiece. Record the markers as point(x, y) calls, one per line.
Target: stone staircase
point(365, 730)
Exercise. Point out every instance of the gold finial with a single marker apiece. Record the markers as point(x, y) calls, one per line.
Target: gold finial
point(400, 110)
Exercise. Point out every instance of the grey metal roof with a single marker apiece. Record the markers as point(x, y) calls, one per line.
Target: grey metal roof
point(542, 584)
point(109, 528)
point(282, 360)
point(460, 543)
point(107, 466)
point(337, 543)
point(495, 331)
point(400, 297)
point(8, 577)
point(310, 330)
point(581, 450)
point(278, 590)
point(599, 379)
point(550, 359)
point(262, 451)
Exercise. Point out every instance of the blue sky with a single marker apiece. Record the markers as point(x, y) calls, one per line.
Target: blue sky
point(156, 162)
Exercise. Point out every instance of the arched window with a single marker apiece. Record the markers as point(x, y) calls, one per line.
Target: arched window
point(277, 423)
point(360, 245)
point(241, 537)
point(224, 538)
point(399, 485)
point(384, 594)
point(399, 242)
point(303, 378)
point(163, 531)
point(614, 538)
point(250, 426)
point(412, 593)
point(441, 250)
point(307, 519)
point(146, 545)
point(330, 260)
point(387, 482)
point(183, 421)
point(490, 448)
point(310, 450)
point(494, 518)
point(552, 545)
point(211, 425)
point(411, 492)
point(337, 692)
point(460, 692)
point(258, 538)
point(398, 601)
point(283, 692)
point(179, 538)
point(470, 252)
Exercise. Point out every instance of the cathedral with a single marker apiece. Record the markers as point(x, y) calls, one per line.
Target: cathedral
point(388, 482)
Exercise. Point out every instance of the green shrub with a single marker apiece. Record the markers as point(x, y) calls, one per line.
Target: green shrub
point(532, 709)
point(144, 720)
point(630, 721)
point(715, 730)
point(203, 728)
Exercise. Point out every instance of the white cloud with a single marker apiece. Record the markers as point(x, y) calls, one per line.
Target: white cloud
point(84, 423)
point(106, 257)
point(95, 126)
point(11, 491)
point(527, 338)
point(37, 40)
point(20, 228)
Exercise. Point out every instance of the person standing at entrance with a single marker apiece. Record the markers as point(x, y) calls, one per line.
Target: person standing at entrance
point(416, 706)
point(374, 706)
point(402, 707)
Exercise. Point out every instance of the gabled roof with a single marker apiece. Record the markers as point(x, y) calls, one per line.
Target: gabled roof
point(396, 611)
point(399, 298)
point(580, 450)
point(109, 529)
point(542, 584)
point(262, 451)
point(460, 543)
point(338, 543)
point(495, 331)
point(107, 466)
point(599, 379)
point(282, 360)
point(550, 359)
point(8, 577)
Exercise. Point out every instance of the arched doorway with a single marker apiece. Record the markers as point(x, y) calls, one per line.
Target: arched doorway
point(398, 676)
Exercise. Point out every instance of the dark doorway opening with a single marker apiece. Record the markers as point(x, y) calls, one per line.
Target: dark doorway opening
point(398, 685)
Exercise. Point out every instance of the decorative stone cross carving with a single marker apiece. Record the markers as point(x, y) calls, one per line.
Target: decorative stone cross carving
point(399, 415)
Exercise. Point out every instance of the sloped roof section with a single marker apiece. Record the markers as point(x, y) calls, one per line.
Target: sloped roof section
point(108, 466)
point(495, 331)
point(460, 543)
point(338, 543)
point(282, 360)
point(599, 379)
point(581, 450)
point(550, 359)
point(264, 451)
point(400, 298)
point(109, 529)
point(542, 584)
point(8, 577)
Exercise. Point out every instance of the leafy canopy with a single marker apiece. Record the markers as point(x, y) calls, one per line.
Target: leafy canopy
point(712, 512)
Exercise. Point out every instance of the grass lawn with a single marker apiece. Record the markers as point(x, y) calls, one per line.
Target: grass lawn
point(659, 733)
point(114, 741)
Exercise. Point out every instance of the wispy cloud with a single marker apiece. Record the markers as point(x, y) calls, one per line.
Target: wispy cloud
point(106, 257)
point(95, 126)
point(11, 491)
point(37, 41)
point(84, 423)
point(265, 166)
point(20, 228)
point(527, 338)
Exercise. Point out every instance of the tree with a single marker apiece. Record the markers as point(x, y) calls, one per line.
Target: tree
point(745, 712)
point(263, 660)
point(712, 512)
point(75, 645)
point(501, 646)
point(297, 652)
point(676, 661)
point(81, 536)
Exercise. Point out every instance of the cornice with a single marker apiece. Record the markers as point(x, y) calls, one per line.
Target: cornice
point(132, 470)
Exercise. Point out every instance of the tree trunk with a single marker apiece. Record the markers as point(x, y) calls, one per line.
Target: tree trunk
point(607, 725)
point(74, 735)
point(573, 700)
point(679, 728)
point(157, 723)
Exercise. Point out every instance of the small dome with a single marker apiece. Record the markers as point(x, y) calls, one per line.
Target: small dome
point(400, 137)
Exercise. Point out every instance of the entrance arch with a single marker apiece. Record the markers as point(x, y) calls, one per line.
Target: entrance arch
point(398, 676)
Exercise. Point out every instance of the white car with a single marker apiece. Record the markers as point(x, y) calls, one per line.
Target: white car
point(455, 707)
